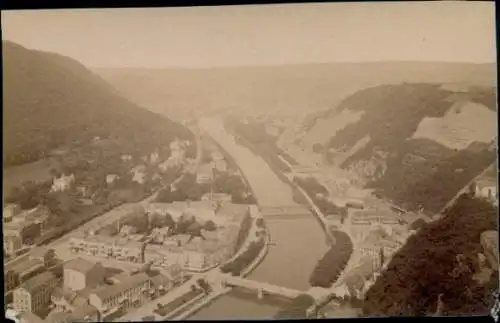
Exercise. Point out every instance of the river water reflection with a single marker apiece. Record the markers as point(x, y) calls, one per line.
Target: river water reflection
point(298, 243)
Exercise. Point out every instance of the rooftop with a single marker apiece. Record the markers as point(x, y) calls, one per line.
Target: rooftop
point(133, 281)
point(205, 169)
point(30, 317)
point(79, 264)
point(38, 281)
point(82, 311)
point(58, 317)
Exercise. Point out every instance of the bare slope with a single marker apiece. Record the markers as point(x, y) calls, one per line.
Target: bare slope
point(425, 142)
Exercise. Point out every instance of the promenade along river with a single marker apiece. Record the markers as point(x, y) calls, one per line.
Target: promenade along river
point(298, 243)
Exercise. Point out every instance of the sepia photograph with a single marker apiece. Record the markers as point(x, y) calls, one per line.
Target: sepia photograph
point(243, 162)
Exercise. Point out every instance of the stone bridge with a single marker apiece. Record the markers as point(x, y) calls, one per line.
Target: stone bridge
point(261, 288)
point(285, 212)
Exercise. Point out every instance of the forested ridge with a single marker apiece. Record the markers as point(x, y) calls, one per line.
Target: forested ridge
point(425, 267)
point(51, 101)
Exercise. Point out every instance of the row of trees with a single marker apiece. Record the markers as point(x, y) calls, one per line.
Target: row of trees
point(333, 262)
point(245, 259)
point(422, 269)
point(246, 225)
point(316, 192)
point(186, 224)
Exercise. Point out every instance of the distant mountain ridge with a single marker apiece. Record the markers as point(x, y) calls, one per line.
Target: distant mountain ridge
point(288, 89)
point(51, 100)
point(417, 144)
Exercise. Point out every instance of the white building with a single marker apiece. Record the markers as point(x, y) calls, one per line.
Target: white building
point(62, 183)
point(139, 174)
point(486, 188)
point(220, 165)
point(111, 178)
point(154, 158)
point(126, 158)
point(218, 197)
point(217, 156)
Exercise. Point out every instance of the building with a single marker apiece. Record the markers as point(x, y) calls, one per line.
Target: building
point(12, 241)
point(139, 174)
point(486, 188)
point(59, 317)
point(127, 229)
point(10, 211)
point(220, 165)
point(217, 197)
point(23, 227)
point(217, 156)
point(126, 158)
point(62, 183)
point(356, 279)
point(154, 158)
point(379, 244)
point(205, 174)
point(20, 270)
point(373, 217)
point(45, 255)
point(131, 293)
point(66, 300)
point(28, 231)
point(34, 294)
point(80, 273)
point(28, 317)
point(85, 313)
point(111, 178)
point(120, 248)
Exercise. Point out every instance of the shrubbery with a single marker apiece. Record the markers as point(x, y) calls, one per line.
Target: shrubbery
point(314, 189)
point(333, 262)
point(245, 259)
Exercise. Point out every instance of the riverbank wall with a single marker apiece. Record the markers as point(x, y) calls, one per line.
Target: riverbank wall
point(212, 297)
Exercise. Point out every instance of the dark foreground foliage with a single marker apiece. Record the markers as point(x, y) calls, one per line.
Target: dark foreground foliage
point(420, 271)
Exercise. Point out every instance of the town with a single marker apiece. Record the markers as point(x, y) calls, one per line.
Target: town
point(338, 172)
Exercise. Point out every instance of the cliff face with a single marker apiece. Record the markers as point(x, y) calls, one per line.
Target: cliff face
point(417, 144)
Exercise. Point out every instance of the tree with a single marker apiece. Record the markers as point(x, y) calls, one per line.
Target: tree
point(317, 148)
point(194, 229)
point(210, 226)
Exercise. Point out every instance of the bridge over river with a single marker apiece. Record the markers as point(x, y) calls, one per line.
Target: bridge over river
point(298, 240)
point(285, 212)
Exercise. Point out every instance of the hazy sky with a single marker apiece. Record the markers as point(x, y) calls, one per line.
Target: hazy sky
point(261, 35)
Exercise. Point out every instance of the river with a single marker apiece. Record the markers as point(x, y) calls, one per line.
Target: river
point(298, 243)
